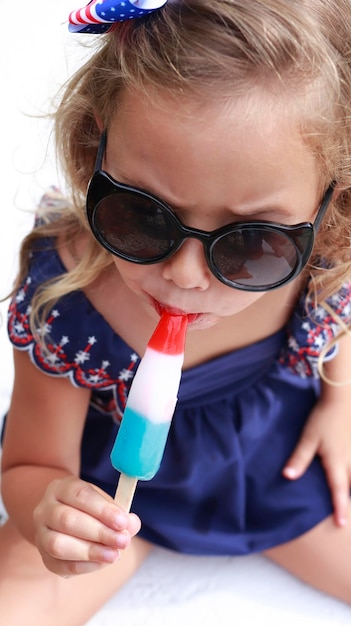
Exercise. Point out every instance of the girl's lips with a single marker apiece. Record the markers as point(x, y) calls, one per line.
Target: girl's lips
point(196, 321)
point(160, 308)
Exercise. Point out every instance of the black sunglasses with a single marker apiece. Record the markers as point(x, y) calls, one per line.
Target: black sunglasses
point(138, 227)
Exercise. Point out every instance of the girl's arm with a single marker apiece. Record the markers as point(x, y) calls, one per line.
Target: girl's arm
point(75, 526)
point(328, 432)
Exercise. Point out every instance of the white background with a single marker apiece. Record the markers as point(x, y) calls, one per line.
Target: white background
point(37, 55)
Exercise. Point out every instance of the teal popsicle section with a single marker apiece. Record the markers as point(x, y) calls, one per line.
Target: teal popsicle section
point(139, 447)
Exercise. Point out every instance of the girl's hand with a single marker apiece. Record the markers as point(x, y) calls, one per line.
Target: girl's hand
point(328, 434)
point(79, 528)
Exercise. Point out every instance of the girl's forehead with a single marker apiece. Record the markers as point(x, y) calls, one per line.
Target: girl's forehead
point(172, 148)
point(279, 116)
point(255, 112)
point(256, 101)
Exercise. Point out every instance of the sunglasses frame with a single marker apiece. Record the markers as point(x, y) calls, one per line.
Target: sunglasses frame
point(301, 235)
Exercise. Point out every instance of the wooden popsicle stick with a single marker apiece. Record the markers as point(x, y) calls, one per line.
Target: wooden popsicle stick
point(125, 491)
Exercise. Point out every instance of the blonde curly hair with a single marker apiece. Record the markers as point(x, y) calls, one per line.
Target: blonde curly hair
point(213, 48)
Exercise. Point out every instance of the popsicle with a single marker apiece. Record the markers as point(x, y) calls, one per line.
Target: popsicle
point(142, 436)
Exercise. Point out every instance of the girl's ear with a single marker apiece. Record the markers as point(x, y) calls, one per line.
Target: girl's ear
point(99, 122)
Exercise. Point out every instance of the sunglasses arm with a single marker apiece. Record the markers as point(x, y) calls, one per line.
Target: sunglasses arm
point(101, 151)
point(323, 208)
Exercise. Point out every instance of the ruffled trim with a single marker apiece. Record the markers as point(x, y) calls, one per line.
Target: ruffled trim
point(70, 349)
point(312, 328)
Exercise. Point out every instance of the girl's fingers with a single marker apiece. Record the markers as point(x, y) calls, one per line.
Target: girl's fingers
point(339, 484)
point(88, 499)
point(70, 521)
point(79, 528)
point(67, 548)
point(66, 569)
point(301, 457)
point(340, 502)
point(134, 524)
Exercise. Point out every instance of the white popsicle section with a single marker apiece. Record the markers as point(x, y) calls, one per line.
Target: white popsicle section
point(154, 394)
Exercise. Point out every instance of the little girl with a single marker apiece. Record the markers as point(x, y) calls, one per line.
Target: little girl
point(207, 149)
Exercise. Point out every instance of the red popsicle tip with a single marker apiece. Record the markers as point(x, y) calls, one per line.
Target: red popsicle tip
point(169, 335)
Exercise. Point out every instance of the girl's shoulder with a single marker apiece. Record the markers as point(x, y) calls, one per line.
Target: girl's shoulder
point(75, 340)
point(312, 327)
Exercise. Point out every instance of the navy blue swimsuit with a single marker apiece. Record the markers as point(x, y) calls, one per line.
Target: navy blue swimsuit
point(219, 489)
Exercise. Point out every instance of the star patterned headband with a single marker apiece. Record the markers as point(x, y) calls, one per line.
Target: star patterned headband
point(101, 15)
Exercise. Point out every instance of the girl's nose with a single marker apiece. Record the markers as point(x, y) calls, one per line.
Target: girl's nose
point(188, 268)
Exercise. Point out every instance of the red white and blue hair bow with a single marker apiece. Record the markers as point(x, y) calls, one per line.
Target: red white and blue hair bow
point(100, 15)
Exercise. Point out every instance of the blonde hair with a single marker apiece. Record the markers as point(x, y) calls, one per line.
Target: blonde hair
point(195, 48)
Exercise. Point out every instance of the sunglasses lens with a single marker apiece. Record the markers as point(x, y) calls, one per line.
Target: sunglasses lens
point(255, 257)
point(134, 226)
